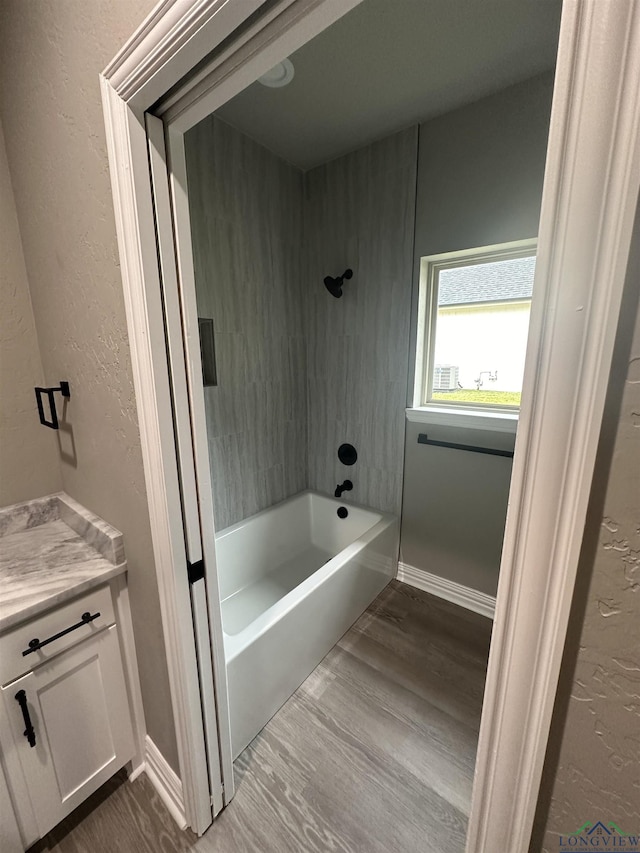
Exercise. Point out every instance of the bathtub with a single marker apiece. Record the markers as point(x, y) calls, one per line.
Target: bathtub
point(293, 579)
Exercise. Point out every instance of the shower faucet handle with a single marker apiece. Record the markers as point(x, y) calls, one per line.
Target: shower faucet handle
point(344, 487)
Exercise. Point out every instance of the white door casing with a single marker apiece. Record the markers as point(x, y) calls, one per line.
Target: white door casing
point(181, 318)
point(591, 187)
point(133, 206)
point(590, 194)
point(177, 172)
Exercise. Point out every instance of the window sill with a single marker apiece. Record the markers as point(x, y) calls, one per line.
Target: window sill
point(466, 418)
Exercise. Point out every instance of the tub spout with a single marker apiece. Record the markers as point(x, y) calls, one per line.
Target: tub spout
point(344, 487)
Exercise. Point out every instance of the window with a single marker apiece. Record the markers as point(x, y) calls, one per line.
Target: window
point(473, 321)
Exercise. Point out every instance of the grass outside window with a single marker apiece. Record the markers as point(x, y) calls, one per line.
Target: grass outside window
point(479, 398)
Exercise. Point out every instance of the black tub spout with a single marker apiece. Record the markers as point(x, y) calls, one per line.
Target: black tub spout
point(344, 487)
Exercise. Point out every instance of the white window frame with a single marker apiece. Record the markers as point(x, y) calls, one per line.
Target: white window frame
point(592, 179)
point(427, 318)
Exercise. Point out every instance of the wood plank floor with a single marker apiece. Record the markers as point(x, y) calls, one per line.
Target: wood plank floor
point(373, 753)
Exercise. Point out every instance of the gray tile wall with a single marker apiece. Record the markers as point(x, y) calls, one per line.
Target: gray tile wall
point(299, 371)
point(246, 213)
point(359, 213)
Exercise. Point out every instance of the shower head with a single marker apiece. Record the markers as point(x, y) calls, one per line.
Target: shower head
point(334, 285)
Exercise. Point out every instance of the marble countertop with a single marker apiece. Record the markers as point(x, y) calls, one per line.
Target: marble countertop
point(51, 550)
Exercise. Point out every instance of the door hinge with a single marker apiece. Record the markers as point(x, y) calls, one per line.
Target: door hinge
point(195, 571)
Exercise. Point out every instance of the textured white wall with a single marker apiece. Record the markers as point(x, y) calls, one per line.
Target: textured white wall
point(51, 53)
point(592, 770)
point(29, 465)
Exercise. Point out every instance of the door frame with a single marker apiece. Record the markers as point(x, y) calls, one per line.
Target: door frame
point(209, 643)
point(589, 200)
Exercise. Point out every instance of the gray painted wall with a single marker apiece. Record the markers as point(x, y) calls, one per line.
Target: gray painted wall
point(481, 169)
point(246, 215)
point(359, 213)
point(455, 505)
point(480, 176)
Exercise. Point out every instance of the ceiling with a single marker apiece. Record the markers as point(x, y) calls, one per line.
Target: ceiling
point(388, 64)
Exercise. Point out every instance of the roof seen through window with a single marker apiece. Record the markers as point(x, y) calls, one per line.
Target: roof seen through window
point(498, 281)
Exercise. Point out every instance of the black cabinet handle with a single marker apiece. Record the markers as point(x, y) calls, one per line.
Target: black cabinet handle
point(36, 644)
point(29, 732)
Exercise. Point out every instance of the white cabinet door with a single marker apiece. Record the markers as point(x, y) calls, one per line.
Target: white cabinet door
point(77, 705)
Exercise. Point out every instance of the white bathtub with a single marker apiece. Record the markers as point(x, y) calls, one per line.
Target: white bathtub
point(293, 579)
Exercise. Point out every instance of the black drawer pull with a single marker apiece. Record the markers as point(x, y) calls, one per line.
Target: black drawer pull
point(36, 644)
point(29, 732)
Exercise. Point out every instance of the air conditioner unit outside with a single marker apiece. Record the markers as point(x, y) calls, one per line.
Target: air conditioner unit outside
point(445, 377)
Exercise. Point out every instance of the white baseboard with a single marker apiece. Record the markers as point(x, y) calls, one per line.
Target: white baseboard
point(135, 770)
point(165, 781)
point(466, 597)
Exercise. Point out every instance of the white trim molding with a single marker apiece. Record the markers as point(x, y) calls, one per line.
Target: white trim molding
point(464, 418)
point(120, 590)
point(283, 27)
point(429, 309)
point(128, 159)
point(456, 593)
point(175, 37)
point(165, 781)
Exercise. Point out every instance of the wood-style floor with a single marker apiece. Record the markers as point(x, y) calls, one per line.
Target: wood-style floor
point(373, 753)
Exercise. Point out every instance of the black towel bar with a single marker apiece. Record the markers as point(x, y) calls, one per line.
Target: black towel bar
point(63, 388)
point(423, 438)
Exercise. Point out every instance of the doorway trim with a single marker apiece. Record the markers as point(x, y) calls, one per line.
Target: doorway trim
point(589, 200)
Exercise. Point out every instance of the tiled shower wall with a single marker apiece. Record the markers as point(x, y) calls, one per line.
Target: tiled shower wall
point(359, 213)
point(246, 226)
point(300, 372)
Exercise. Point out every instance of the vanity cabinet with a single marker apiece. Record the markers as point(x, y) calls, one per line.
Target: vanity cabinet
point(65, 721)
point(70, 705)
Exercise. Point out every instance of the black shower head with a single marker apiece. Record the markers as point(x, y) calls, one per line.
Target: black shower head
point(334, 285)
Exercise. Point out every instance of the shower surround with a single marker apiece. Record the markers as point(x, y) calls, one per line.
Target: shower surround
point(300, 372)
point(359, 213)
point(246, 221)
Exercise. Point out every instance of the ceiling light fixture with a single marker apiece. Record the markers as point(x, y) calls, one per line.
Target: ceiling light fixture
point(278, 76)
